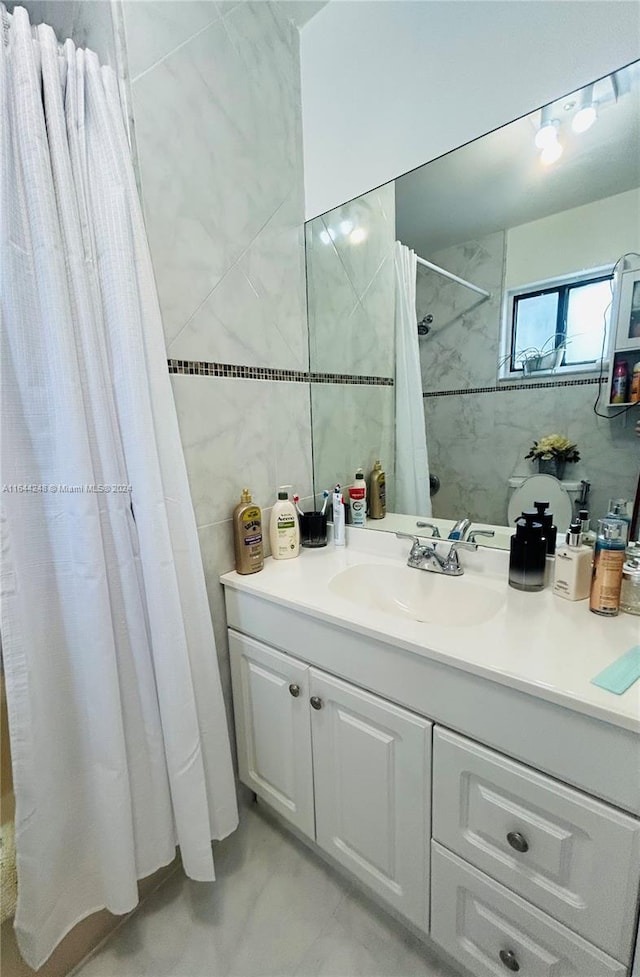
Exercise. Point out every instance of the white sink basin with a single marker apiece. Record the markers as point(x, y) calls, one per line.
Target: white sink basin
point(431, 598)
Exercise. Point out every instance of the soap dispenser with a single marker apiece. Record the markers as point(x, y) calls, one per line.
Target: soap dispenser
point(528, 554)
point(573, 566)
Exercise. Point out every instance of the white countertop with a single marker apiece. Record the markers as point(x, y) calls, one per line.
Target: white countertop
point(536, 643)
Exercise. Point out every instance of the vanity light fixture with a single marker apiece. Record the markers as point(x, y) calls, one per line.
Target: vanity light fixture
point(547, 134)
point(586, 114)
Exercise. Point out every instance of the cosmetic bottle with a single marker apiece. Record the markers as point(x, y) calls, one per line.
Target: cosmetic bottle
point(572, 578)
point(528, 554)
point(588, 535)
point(247, 535)
point(338, 517)
point(549, 531)
point(358, 499)
point(377, 493)
point(284, 528)
point(630, 589)
point(619, 509)
point(634, 396)
point(608, 561)
point(620, 385)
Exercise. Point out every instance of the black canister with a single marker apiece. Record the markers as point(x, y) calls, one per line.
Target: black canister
point(528, 554)
point(549, 531)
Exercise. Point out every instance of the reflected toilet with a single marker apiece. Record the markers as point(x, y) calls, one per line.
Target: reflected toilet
point(562, 497)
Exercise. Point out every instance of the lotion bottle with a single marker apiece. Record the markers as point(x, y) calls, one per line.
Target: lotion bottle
point(247, 535)
point(608, 561)
point(573, 566)
point(338, 517)
point(378, 493)
point(358, 497)
point(284, 528)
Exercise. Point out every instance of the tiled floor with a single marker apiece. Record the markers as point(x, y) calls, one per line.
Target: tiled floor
point(275, 910)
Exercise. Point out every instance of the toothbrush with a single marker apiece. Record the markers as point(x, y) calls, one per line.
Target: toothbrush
point(325, 496)
point(296, 499)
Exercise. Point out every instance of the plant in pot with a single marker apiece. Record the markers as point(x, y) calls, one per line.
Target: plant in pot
point(543, 359)
point(552, 452)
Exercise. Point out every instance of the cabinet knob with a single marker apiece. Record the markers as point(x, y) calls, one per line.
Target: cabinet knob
point(508, 958)
point(316, 702)
point(518, 841)
point(294, 690)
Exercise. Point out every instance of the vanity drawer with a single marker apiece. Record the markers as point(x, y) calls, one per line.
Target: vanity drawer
point(576, 858)
point(493, 932)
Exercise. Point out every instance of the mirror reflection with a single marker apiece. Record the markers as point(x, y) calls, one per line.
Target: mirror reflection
point(476, 318)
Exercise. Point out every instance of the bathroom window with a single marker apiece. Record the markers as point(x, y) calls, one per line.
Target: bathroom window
point(560, 326)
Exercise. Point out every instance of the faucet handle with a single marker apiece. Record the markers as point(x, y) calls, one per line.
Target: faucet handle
point(416, 539)
point(462, 544)
point(475, 533)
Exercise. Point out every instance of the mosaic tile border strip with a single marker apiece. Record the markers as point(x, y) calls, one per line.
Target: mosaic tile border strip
point(507, 388)
point(203, 368)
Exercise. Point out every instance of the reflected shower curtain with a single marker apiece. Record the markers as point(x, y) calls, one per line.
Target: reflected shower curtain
point(412, 463)
point(118, 730)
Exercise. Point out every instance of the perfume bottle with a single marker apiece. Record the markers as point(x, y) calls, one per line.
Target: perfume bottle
point(608, 562)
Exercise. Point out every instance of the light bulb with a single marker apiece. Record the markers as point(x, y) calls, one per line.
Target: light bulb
point(584, 118)
point(551, 153)
point(346, 227)
point(324, 237)
point(358, 236)
point(547, 134)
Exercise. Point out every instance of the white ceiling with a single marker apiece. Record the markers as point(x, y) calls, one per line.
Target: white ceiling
point(301, 11)
point(497, 181)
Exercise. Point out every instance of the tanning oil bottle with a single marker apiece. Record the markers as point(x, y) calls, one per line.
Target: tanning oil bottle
point(247, 535)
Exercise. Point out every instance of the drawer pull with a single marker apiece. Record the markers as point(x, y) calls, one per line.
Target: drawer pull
point(316, 702)
point(519, 842)
point(294, 690)
point(508, 958)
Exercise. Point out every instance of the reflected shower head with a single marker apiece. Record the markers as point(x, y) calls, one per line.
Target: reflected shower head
point(424, 326)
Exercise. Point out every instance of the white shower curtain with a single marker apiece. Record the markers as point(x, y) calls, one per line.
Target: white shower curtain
point(412, 462)
point(118, 731)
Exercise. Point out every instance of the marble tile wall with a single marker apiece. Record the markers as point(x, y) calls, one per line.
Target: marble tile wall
point(350, 281)
point(88, 24)
point(215, 91)
point(352, 427)
point(477, 441)
point(351, 297)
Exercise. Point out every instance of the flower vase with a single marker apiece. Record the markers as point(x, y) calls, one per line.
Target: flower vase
point(552, 466)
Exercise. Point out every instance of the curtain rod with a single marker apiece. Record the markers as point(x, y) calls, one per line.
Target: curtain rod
point(454, 278)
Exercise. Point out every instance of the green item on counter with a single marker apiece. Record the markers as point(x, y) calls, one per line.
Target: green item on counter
point(621, 674)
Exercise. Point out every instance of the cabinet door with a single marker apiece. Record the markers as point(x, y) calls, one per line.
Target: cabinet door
point(372, 772)
point(271, 705)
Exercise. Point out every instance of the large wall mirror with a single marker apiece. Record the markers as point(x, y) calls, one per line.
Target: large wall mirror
point(523, 240)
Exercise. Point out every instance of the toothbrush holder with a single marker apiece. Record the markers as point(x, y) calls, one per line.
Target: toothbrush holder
point(313, 529)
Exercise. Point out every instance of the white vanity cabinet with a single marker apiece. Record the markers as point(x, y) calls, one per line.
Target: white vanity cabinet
point(307, 739)
point(506, 828)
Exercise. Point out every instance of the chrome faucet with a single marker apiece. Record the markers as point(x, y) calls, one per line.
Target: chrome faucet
point(424, 555)
point(459, 529)
point(435, 532)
